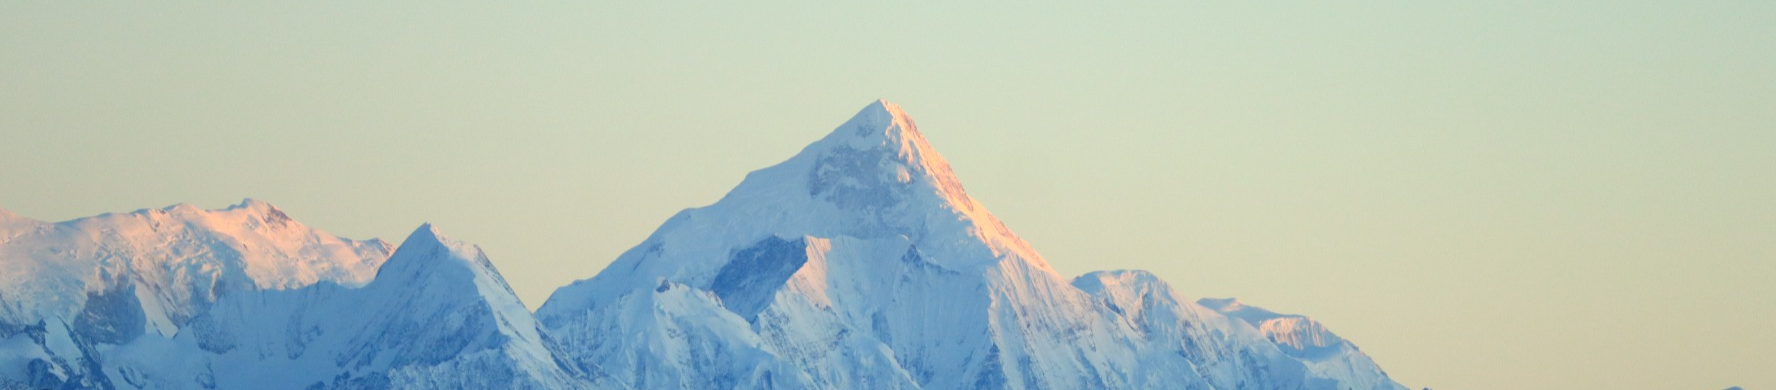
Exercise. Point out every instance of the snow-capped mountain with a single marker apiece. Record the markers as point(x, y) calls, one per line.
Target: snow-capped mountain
point(862, 263)
point(69, 289)
point(244, 297)
point(859, 263)
point(173, 261)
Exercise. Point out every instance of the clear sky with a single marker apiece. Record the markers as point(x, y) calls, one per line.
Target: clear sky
point(1508, 195)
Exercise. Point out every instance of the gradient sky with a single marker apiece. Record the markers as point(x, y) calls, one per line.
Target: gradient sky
point(1509, 195)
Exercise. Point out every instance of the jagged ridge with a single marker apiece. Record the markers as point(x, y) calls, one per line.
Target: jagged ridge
point(435, 315)
point(858, 263)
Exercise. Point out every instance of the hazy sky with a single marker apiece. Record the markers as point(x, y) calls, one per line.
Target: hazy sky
point(1509, 195)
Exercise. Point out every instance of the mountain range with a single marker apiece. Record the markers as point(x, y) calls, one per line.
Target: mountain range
point(858, 263)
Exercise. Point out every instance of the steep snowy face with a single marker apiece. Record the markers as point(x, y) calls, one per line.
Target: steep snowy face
point(862, 263)
point(436, 316)
point(878, 169)
point(245, 297)
point(873, 178)
point(443, 283)
point(170, 263)
point(861, 230)
point(429, 257)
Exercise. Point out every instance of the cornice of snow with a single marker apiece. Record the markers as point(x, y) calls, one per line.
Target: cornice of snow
point(1232, 307)
point(1299, 335)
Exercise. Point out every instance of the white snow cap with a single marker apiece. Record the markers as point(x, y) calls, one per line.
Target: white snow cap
point(880, 148)
point(425, 236)
point(428, 244)
point(883, 125)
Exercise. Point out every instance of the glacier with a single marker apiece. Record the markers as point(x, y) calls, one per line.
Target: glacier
point(858, 263)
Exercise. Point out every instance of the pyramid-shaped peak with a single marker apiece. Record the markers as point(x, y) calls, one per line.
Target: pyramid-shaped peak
point(882, 179)
point(428, 247)
point(885, 111)
point(428, 236)
point(429, 257)
point(881, 140)
point(880, 124)
point(879, 168)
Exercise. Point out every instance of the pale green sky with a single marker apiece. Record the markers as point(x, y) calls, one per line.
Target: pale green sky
point(1509, 195)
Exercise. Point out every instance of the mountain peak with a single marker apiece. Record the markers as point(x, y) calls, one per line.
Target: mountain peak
point(844, 248)
point(180, 208)
point(253, 204)
point(9, 220)
point(873, 178)
point(428, 231)
point(427, 246)
point(879, 118)
point(250, 208)
point(881, 125)
point(878, 149)
point(429, 257)
point(878, 161)
point(428, 236)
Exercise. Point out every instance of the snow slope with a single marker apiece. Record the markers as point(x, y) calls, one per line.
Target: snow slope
point(174, 261)
point(1309, 341)
point(859, 263)
point(112, 278)
point(267, 304)
point(862, 263)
